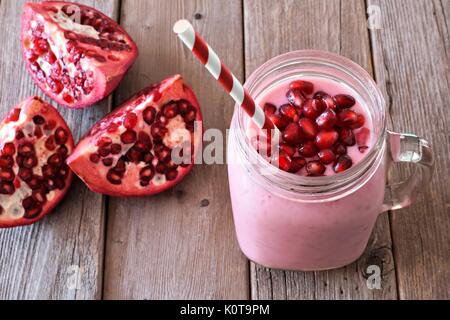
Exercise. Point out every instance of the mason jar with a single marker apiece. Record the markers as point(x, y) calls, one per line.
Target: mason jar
point(287, 221)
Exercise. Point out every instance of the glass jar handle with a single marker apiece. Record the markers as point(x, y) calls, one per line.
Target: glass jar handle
point(410, 149)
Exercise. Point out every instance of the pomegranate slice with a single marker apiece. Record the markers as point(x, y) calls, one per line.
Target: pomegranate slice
point(34, 144)
point(74, 53)
point(129, 152)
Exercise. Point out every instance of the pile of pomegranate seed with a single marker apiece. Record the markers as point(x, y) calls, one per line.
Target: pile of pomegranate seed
point(316, 130)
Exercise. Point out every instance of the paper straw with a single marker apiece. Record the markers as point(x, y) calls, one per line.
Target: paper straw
point(220, 72)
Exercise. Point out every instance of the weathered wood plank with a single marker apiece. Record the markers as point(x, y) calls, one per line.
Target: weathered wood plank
point(180, 244)
point(337, 26)
point(42, 261)
point(412, 65)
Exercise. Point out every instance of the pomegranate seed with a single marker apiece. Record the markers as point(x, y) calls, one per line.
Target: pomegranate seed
point(9, 149)
point(163, 153)
point(158, 131)
point(28, 203)
point(308, 128)
point(38, 132)
point(344, 101)
point(289, 111)
point(6, 161)
point(340, 149)
point(327, 120)
point(171, 175)
point(26, 149)
point(135, 155)
point(148, 158)
point(50, 57)
point(326, 156)
point(30, 162)
point(130, 121)
point(38, 120)
point(68, 98)
point(25, 174)
point(61, 136)
point(281, 122)
point(50, 143)
point(284, 162)
point(343, 163)
point(287, 149)
point(35, 183)
point(313, 108)
point(326, 139)
point(104, 142)
point(63, 152)
point(295, 97)
point(347, 118)
point(347, 137)
point(315, 168)
point(108, 162)
point(269, 109)
point(114, 177)
point(7, 175)
point(305, 87)
point(48, 171)
point(170, 110)
point(7, 188)
point(33, 213)
point(116, 149)
point(55, 160)
point(297, 164)
point(128, 137)
point(329, 103)
point(360, 121)
point(161, 168)
point(147, 173)
point(190, 115)
point(20, 135)
point(149, 115)
point(292, 134)
point(104, 152)
point(308, 149)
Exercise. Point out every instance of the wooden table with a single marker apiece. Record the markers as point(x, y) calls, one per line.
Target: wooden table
point(181, 244)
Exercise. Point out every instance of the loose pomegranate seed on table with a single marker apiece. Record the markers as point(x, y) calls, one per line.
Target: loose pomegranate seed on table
point(318, 130)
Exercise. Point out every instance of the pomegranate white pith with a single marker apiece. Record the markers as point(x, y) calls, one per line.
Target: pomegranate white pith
point(75, 54)
point(34, 144)
point(129, 152)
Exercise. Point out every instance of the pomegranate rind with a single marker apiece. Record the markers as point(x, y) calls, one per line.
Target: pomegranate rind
point(31, 107)
point(171, 89)
point(106, 76)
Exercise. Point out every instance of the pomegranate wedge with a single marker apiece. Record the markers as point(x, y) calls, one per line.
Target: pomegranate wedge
point(130, 152)
point(74, 53)
point(34, 144)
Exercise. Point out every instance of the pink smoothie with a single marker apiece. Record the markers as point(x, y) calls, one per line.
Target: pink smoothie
point(284, 230)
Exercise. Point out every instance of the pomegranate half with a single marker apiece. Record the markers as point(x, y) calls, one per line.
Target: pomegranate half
point(34, 144)
point(74, 53)
point(130, 151)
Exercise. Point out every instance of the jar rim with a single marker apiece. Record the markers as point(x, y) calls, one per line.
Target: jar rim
point(314, 185)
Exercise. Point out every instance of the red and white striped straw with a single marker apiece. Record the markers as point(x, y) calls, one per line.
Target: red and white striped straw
point(220, 72)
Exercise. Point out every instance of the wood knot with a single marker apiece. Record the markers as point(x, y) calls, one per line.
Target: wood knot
point(198, 16)
point(204, 203)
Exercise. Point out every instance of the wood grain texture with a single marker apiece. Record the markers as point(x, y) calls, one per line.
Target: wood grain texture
point(42, 261)
point(337, 26)
point(177, 245)
point(412, 66)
